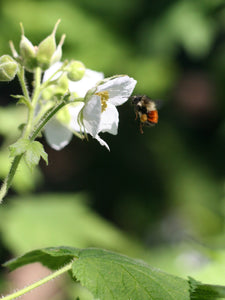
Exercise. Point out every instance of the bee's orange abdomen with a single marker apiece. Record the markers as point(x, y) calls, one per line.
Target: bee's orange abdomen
point(153, 116)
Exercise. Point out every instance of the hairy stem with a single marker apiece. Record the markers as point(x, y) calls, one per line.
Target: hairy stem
point(39, 283)
point(44, 120)
point(60, 71)
point(36, 93)
point(22, 81)
point(29, 131)
point(7, 183)
point(49, 114)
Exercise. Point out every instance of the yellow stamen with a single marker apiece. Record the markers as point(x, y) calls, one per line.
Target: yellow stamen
point(104, 98)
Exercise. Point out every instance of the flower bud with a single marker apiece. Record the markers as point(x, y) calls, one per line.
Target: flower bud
point(62, 85)
point(48, 92)
point(8, 68)
point(75, 70)
point(64, 116)
point(46, 49)
point(27, 52)
point(59, 89)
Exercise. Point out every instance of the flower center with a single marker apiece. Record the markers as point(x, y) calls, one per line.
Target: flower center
point(104, 98)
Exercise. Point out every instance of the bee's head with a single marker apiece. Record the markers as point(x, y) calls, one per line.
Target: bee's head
point(135, 99)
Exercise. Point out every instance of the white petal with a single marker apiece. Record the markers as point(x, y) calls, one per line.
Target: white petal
point(109, 120)
point(119, 88)
point(88, 81)
point(57, 135)
point(92, 115)
point(102, 142)
point(74, 110)
point(49, 72)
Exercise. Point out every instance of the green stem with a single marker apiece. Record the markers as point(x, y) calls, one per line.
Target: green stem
point(61, 69)
point(7, 183)
point(39, 283)
point(22, 81)
point(48, 115)
point(30, 123)
point(30, 118)
point(44, 120)
point(37, 84)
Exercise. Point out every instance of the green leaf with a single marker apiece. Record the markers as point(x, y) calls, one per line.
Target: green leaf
point(109, 275)
point(19, 147)
point(200, 291)
point(22, 100)
point(112, 276)
point(35, 151)
point(53, 258)
point(24, 181)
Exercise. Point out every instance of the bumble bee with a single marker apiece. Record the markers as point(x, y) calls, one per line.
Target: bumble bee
point(145, 109)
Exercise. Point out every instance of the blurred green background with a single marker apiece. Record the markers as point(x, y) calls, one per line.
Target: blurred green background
point(159, 196)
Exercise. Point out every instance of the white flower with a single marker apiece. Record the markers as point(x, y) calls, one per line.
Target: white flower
point(57, 133)
point(98, 112)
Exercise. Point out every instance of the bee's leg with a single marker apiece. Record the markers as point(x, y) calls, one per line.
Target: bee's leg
point(141, 128)
point(136, 115)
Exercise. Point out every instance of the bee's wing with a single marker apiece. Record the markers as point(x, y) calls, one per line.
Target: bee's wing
point(159, 103)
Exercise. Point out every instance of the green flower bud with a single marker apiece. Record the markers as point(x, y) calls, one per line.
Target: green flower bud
point(46, 49)
point(8, 68)
point(48, 92)
point(75, 70)
point(58, 90)
point(27, 52)
point(62, 85)
point(64, 116)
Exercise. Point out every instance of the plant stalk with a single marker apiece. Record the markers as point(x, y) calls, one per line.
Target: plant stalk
point(30, 118)
point(7, 182)
point(39, 283)
point(44, 120)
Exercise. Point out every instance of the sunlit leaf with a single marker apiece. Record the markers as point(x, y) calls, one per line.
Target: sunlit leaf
point(20, 147)
point(34, 152)
point(110, 275)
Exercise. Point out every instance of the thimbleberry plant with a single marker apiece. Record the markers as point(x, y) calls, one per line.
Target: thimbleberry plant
point(69, 100)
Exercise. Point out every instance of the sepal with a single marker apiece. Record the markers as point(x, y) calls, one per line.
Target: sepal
point(57, 55)
point(27, 52)
point(47, 50)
